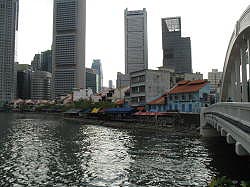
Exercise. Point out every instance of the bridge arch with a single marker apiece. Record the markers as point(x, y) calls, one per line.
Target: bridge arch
point(235, 82)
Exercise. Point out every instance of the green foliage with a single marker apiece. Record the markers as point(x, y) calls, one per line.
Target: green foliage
point(226, 182)
point(221, 182)
point(245, 184)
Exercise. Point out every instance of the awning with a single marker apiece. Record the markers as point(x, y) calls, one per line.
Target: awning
point(73, 111)
point(120, 110)
point(95, 110)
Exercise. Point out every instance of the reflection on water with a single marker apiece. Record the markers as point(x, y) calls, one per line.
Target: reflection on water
point(39, 150)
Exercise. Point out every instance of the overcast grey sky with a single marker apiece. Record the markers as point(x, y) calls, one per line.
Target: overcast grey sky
point(208, 23)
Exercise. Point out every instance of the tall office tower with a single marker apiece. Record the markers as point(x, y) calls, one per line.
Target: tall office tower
point(68, 46)
point(136, 40)
point(110, 84)
point(36, 63)
point(41, 85)
point(23, 81)
point(176, 49)
point(97, 65)
point(46, 61)
point(8, 28)
point(91, 79)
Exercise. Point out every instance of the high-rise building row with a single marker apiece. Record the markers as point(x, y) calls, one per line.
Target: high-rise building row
point(69, 46)
point(8, 28)
point(136, 40)
point(176, 49)
point(97, 65)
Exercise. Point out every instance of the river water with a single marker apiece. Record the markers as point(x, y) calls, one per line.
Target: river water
point(43, 150)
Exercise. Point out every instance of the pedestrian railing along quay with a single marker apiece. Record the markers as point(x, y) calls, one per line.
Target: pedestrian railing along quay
point(231, 120)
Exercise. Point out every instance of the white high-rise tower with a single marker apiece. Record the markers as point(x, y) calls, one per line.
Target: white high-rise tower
point(69, 46)
point(136, 40)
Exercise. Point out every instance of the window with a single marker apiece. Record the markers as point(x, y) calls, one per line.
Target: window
point(183, 107)
point(190, 97)
point(183, 97)
point(190, 107)
point(170, 97)
point(176, 107)
point(176, 97)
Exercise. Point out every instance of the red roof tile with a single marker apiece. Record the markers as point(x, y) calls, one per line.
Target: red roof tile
point(158, 101)
point(189, 86)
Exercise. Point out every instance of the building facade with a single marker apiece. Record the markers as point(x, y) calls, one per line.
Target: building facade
point(215, 79)
point(36, 63)
point(122, 80)
point(97, 65)
point(91, 79)
point(46, 61)
point(68, 49)
point(8, 27)
point(176, 49)
point(136, 40)
point(146, 85)
point(41, 85)
point(188, 96)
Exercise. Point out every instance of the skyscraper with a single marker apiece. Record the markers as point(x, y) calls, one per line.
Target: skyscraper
point(41, 85)
point(46, 61)
point(110, 84)
point(69, 46)
point(91, 79)
point(23, 81)
point(176, 49)
point(8, 28)
point(36, 63)
point(97, 65)
point(136, 40)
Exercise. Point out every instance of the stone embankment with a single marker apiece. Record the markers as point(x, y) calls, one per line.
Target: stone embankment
point(175, 123)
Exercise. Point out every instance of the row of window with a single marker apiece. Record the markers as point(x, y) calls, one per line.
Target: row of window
point(138, 79)
point(181, 97)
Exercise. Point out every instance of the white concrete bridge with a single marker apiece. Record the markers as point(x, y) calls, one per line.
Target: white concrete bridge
point(232, 119)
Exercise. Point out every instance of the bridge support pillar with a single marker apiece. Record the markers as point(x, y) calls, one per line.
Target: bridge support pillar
point(223, 132)
point(237, 81)
point(239, 149)
point(206, 130)
point(230, 139)
point(244, 75)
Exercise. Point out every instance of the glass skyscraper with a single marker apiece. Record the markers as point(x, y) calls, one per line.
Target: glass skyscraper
point(97, 65)
point(8, 28)
point(69, 46)
point(176, 49)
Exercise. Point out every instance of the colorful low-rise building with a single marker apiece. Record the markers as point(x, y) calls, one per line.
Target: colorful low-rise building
point(186, 96)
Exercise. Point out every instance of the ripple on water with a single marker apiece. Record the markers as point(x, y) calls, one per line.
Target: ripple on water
point(42, 150)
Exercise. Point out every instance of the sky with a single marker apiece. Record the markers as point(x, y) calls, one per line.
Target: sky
point(209, 24)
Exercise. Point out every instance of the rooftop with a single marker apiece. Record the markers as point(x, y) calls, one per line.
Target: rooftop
point(188, 86)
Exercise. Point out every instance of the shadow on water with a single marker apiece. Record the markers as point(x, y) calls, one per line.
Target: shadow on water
point(161, 159)
point(224, 160)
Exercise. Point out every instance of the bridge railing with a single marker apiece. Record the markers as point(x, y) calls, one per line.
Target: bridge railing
point(240, 111)
point(231, 120)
